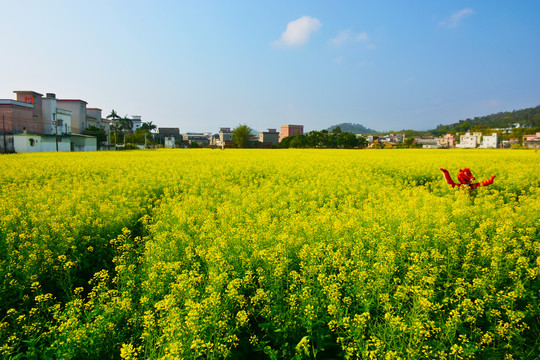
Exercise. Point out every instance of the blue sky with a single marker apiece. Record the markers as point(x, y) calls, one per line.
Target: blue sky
point(201, 65)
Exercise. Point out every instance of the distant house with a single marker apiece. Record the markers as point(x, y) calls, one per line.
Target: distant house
point(167, 132)
point(290, 130)
point(372, 138)
point(469, 141)
point(505, 144)
point(489, 141)
point(532, 141)
point(270, 137)
point(199, 138)
point(447, 140)
point(428, 142)
point(136, 122)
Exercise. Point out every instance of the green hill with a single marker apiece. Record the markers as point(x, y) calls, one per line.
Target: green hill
point(353, 128)
point(528, 118)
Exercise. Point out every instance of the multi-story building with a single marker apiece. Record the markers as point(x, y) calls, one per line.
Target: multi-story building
point(270, 137)
point(290, 130)
point(447, 140)
point(38, 123)
point(34, 123)
point(489, 141)
point(17, 117)
point(93, 118)
point(225, 134)
point(468, 141)
point(56, 121)
point(136, 122)
point(78, 113)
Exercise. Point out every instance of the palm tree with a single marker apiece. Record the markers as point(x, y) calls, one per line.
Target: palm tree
point(148, 126)
point(126, 124)
point(113, 116)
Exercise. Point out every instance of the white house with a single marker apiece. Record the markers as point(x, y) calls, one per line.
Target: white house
point(56, 121)
point(468, 140)
point(137, 122)
point(489, 141)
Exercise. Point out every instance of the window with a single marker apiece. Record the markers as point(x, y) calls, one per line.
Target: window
point(32, 142)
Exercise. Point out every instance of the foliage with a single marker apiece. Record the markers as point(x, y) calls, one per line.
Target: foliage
point(529, 117)
point(138, 137)
point(287, 254)
point(354, 128)
point(324, 139)
point(148, 126)
point(99, 133)
point(242, 136)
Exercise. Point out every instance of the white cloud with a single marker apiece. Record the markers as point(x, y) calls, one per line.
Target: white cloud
point(453, 20)
point(298, 31)
point(349, 36)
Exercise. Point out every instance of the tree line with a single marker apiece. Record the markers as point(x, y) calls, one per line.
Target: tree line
point(324, 139)
point(529, 118)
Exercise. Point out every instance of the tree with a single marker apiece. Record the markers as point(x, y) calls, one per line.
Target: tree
point(409, 142)
point(242, 135)
point(337, 130)
point(114, 126)
point(347, 140)
point(148, 126)
point(126, 124)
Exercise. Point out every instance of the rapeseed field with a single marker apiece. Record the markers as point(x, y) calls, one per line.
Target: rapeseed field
point(269, 254)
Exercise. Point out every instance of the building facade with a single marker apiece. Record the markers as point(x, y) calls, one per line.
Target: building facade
point(468, 141)
point(270, 137)
point(36, 123)
point(290, 130)
point(447, 140)
point(78, 113)
point(489, 141)
point(532, 141)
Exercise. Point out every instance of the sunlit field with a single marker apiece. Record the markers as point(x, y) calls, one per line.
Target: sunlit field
point(269, 254)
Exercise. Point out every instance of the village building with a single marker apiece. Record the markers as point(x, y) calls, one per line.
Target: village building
point(532, 141)
point(290, 130)
point(34, 123)
point(489, 141)
point(269, 138)
point(469, 140)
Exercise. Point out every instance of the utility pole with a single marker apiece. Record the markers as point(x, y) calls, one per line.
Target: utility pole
point(55, 122)
point(4, 132)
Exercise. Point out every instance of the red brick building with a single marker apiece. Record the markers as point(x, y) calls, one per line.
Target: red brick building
point(22, 115)
point(290, 130)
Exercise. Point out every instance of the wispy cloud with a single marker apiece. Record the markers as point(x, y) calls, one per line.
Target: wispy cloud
point(349, 36)
point(454, 20)
point(298, 31)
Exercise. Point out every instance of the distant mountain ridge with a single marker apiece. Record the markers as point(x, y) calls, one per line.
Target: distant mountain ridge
point(353, 128)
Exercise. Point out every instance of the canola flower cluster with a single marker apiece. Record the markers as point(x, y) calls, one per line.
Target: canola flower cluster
point(279, 254)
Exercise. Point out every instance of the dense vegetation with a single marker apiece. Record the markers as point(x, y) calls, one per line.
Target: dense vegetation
point(262, 254)
point(324, 139)
point(353, 128)
point(527, 118)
